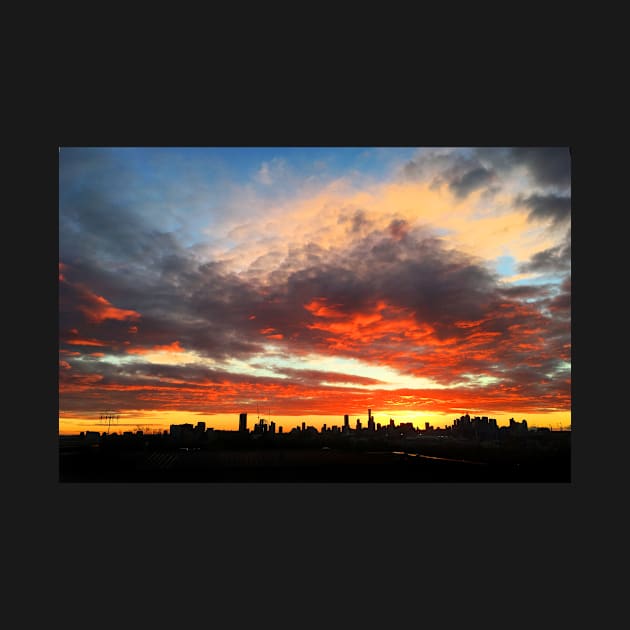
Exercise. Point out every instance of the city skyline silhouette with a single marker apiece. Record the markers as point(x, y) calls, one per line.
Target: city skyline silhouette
point(472, 449)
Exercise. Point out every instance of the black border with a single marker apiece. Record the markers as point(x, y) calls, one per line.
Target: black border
point(304, 548)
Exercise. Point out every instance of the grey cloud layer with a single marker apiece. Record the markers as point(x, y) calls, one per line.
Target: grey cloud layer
point(552, 260)
point(548, 166)
point(466, 171)
point(554, 207)
point(463, 173)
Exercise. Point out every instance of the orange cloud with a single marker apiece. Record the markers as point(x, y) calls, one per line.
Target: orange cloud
point(86, 342)
point(319, 308)
point(294, 398)
point(98, 309)
point(383, 321)
point(172, 347)
point(69, 353)
point(271, 333)
point(467, 224)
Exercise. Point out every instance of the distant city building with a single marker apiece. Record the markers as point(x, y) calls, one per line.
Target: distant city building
point(92, 436)
point(261, 427)
point(485, 428)
point(242, 423)
point(181, 431)
point(188, 433)
point(518, 428)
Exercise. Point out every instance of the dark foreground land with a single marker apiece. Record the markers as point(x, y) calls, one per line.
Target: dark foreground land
point(242, 459)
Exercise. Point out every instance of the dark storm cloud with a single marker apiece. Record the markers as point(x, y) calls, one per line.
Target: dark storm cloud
point(219, 314)
point(429, 164)
point(170, 375)
point(98, 212)
point(527, 292)
point(398, 228)
point(546, 260)
point(356, 219)
point(441, 286)
point(199, 306)
point(463, 173)
point(544, 207)
point(554, 259)
point(560, 305)
point(561, 302)
point(548, 166)
point(539, 379)
point(470, 181)
point(93, 227)
point(465, 170)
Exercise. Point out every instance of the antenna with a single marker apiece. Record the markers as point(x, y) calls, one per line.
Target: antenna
point(109, 416)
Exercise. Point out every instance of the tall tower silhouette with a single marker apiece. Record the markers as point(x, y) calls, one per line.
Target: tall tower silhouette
point(110, 416)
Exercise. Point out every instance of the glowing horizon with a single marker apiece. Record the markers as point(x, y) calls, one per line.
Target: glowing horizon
point(152, 422)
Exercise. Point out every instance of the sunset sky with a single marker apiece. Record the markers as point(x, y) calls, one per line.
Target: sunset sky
point(302, 284)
